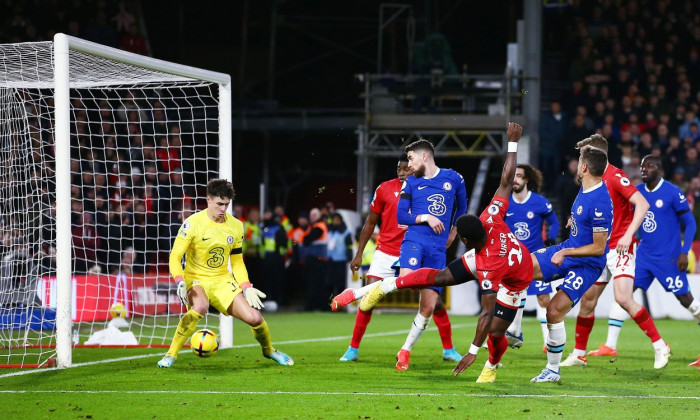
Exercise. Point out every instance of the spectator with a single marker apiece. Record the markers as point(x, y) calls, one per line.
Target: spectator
point(274, 245)
point(567, 188)
point(339, 253)
point(132, 41)
point(86, 242)
point(691, 166)
point(124, 18)
point(552, 131)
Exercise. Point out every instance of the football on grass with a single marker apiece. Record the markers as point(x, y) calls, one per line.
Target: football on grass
point(204, 343)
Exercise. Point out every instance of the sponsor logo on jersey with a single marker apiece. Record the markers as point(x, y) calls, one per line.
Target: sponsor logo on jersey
point(498, 203)
point(681, 196)
point(509, 214)
point(649, 224)
point(412, 261)
point(493, 210)
point(541, 250)
point(598, 213)
point(579, 210)
point(530, 215)
point(659, 203)
point(422, 187)
point(624, 181)
point(396, 194)
point(185, 226)
point(446, 186)
point(229, 240)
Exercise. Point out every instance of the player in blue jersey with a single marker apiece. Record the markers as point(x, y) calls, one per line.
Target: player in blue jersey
point(580, 259)
point(526, 214)
point(660, 254)
point(431, 200)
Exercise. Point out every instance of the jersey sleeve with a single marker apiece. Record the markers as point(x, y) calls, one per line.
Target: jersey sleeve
point(240, 273)
point(601, 218)
point(182, 241)
point(378, 202)
point(622, 185)
point(460, 196)
point(496, 210)
point(403, 209)
point(550, 216)
point(679, 202)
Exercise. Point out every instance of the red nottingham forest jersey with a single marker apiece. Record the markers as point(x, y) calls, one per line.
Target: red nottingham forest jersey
point(504, 259)
point(620, 189)
point(384, 202)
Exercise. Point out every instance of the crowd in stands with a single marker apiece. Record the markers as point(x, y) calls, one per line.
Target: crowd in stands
point(107, 22)
point(633, 68)
point(310, 256)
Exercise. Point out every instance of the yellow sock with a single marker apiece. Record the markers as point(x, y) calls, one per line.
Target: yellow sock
point(262, 335)
point(185, 328)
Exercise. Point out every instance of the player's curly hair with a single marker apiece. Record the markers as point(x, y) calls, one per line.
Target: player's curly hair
point(403, 157)
point(421, 144)
point(533, 176)
point(220, 188)
point(595, 158)
point(596, 140)
point(470, 228)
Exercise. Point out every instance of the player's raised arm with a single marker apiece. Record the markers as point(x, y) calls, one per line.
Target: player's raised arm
point(515, 130)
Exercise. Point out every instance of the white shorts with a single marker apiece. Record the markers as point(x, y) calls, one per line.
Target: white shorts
point(618, 266)
point(382, 264)
point(510, 298)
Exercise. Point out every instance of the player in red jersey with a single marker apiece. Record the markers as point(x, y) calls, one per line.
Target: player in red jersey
point(382, 208)
point(501, 264)
point(629, 209)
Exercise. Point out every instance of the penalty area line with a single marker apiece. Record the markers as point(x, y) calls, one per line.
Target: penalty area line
point(350, 394)
point(239, 346)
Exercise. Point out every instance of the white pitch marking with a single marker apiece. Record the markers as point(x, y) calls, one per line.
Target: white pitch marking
point(142, 356)
point(350, 394)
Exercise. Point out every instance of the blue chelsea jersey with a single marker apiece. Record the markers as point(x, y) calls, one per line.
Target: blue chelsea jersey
point(660, 232)
point(592, 212)
point(443, 196)
point(525, 220)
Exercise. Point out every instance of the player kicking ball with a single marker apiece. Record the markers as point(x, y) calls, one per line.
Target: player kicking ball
point(496, 258)
point(209, 238)
point(579, 260)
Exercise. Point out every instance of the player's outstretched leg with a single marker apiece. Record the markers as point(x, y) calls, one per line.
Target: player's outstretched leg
point(514, 334)
point(402, 359)
point(280, 357)
point(696, 363)
point(185, 328)
point(555, 346)
point(616, 318)
point(350, 355)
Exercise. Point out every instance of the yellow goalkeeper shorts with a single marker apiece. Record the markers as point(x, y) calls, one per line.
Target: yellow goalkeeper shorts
point(220, 292)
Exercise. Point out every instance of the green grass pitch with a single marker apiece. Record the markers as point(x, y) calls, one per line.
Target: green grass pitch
point(240, 383)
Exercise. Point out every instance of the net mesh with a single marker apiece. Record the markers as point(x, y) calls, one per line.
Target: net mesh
point(143, 145)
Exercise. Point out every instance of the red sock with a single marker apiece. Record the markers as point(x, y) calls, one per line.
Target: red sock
point(643, 319)
point(442, 321)
point(584, 326)
point(420, 279)
point(497, 347)
point(361, 321)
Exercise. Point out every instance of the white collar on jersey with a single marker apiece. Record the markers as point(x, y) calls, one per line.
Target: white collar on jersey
point(437, 171)
point(527, 197)
point(593, 188)
point(661, 181)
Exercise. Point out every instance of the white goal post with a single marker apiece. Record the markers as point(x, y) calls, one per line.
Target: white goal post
point(61, 86)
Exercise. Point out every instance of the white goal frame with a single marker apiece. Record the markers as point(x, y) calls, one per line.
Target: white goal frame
point(62, 85)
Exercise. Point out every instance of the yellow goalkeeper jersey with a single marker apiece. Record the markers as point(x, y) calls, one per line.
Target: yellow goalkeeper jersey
point(208, 246)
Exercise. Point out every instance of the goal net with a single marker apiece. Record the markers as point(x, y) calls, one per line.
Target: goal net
point(103, 154)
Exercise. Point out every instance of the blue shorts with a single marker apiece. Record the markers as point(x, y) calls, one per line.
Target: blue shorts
point(539, 287)
point(579, 274)
point(665, 270)
point(415, 255)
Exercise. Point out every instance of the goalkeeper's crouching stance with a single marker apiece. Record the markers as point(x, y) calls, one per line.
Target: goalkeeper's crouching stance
point(208, 239)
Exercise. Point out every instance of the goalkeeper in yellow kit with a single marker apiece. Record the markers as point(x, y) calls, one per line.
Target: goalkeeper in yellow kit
point(209, 238)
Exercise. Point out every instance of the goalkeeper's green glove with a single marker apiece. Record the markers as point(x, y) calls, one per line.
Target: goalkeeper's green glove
point(253, 295)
